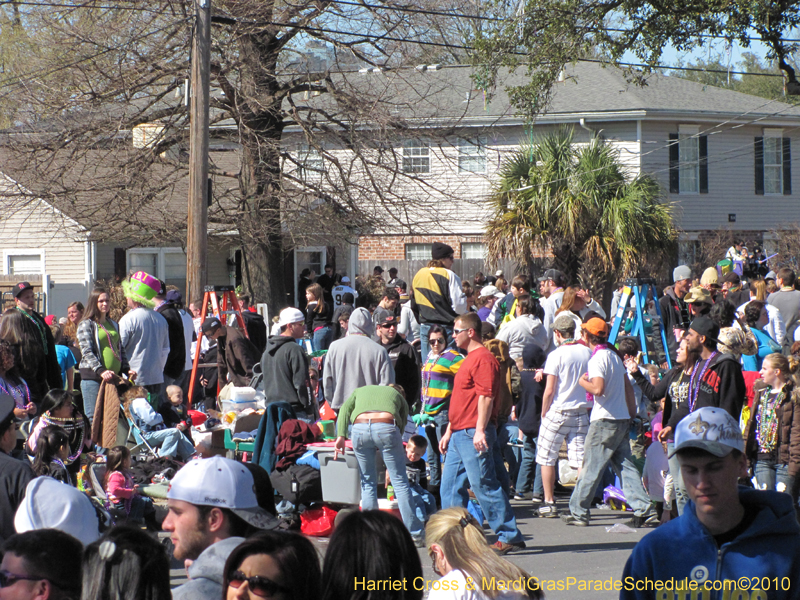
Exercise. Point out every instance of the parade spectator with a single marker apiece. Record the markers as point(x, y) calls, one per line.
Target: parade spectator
point(13, 385)
point(526, 328)
point(205, 528)
point(437, 297)
point(341, 320)
point(772, 438)
point(408, 327)
point(340, 293)
point(306, 279)
point(699, 302)
point(25, 328)
point(387, 306)
point(737, 252)
point(169, 440)
point(727, 531)
point(551, 286)
point(326, 281)
point(403, 356)
point(529, 419)
point(394, 280)
point(254, 324)
point(471, 435)
point(375, 546)
point(41, 565)
point(65, 357)
point(487, 298)
point(125, 564)
point(459, 551)
point(438, 375)
point(123, 493)
point(674, 311)
point(733, 290)
point(572, 303)
point(176, 358)
point(103, 356)
point(144, 333)
point(378, 415)
point(775, 327)
point(281, 565)
point(175, 298)
point(757, 318)
point(787, 301)
point(505, 309)
point(355, 361)
point(607, 441)
point(319, 313)
point(14, 474)
point(285, 366)
point(564, 408)
point(74, 316)
point(236, 355)
point(52, 449)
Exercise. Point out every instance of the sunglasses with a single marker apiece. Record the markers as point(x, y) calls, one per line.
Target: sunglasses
point(8, 579)
point(260, 586)
point(457, 331)
point(387, 325)
point(436, 341)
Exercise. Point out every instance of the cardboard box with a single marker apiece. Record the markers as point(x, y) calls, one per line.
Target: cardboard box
point(247, 423)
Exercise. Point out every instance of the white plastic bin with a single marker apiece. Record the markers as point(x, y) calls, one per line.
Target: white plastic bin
point(341, 481)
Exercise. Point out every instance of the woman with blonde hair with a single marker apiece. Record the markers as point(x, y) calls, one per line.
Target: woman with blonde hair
point(459, 551)
point(775, 327)
point(572, 303)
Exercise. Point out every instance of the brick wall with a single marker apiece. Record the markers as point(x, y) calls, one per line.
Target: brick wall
point(393, 247)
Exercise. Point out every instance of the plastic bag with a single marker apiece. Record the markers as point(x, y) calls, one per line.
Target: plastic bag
point(615, 498)
point(620, 528)
point(318, 521)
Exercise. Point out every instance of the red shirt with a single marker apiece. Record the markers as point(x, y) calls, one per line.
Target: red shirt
point(479, 375)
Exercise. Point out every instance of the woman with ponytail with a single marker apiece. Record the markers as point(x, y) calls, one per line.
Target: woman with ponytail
point(459, 552)
point(773, 433)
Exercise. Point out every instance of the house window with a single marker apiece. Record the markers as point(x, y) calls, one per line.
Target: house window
point(311, 164)
point(418, 251)
point(471, 156)
point(24, 262)
point(773, 155)
point(475, 250)
point(688, 161)
point(167, 264)
point(688, 252)
point(416, 157)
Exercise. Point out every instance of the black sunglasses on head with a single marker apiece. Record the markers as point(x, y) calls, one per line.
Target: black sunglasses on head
point(260, 586)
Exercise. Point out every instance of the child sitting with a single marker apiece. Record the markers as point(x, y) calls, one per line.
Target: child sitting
point(170, 441)
point(423, 501)
point(52, 449)
point(121, 491)
point(175, 413)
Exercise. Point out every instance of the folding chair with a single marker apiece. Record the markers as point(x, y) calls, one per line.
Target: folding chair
point(141, 444)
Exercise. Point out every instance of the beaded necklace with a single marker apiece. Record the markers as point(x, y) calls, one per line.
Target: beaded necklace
point(72, 425)
point(767, 421)
point(694, 383)
point(18, 396)
point(426, 375)
point(39, 328)
point(110, 342)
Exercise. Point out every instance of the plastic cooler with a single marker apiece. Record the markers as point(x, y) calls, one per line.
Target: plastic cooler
point(341, 481)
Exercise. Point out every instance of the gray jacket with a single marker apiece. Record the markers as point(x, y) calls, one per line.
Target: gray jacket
point(206, 573)
point(355, 361)
point(89, 342)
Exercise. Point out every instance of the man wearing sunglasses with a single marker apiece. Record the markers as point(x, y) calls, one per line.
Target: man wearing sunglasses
point(471, 435)
point(14, 474)
point(41, 565)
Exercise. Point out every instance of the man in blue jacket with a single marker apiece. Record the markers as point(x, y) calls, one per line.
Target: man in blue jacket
point(730, 542)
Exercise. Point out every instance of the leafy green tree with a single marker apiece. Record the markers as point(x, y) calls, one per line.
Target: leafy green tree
point(576, 202)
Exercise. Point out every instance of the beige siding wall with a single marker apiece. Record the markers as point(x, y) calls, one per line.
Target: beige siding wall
point(731, 180)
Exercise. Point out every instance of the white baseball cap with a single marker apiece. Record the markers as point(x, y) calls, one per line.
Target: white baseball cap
point(223, 483)
point(491, 290)
point(345, 279)
point(711, 429)
point(290, 315)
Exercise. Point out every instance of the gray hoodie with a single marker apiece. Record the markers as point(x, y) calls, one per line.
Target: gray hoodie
point(355, 361)
point(206, 573)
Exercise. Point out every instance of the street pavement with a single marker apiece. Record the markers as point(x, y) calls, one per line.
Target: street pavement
point(555, 551)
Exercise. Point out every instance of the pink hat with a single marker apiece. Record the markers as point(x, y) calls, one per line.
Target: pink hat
point(141, 288)
point(50, 319)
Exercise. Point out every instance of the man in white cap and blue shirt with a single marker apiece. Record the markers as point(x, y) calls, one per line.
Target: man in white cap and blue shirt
point(748, 539)
point(212, 507)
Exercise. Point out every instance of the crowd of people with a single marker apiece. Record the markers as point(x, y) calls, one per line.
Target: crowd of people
point(467, 390)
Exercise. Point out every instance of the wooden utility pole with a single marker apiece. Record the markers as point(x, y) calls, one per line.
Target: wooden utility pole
point(197, 236)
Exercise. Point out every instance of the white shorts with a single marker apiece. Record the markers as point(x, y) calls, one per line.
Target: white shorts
point(557, 425)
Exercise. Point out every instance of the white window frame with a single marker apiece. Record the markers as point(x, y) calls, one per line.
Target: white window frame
point(426, 248)
point(417, 156)
point(472, 152)
point(311, 163)
point(8, 253)
point(776, 135)
point(685, 243)
point(470, 246)
point(688, 135)
point(160, 252)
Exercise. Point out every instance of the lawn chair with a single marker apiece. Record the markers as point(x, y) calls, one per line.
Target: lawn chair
point(140, 444)
point(97, 474)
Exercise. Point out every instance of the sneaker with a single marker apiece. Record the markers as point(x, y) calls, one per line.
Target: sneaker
point(639, 522)
point(537, 498)
point(548, 510)
point(572, 520)
point(504, 548)
point(518, 496)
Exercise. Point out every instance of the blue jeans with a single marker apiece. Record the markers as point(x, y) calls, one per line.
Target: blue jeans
point(89, 389)
point(770, 475)
point(681, 497)
point(367, 439)
point(322, 338)
point(434, 432)
point(528, 467)
point(424, 502)
point(609, 442)
point(424, 330)
point(505, 433)
point(171, 442)
point(463, 465)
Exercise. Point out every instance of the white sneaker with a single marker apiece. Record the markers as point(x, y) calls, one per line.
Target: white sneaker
point(548, 510)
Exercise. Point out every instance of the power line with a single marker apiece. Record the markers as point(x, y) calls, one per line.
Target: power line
point(88, 4)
